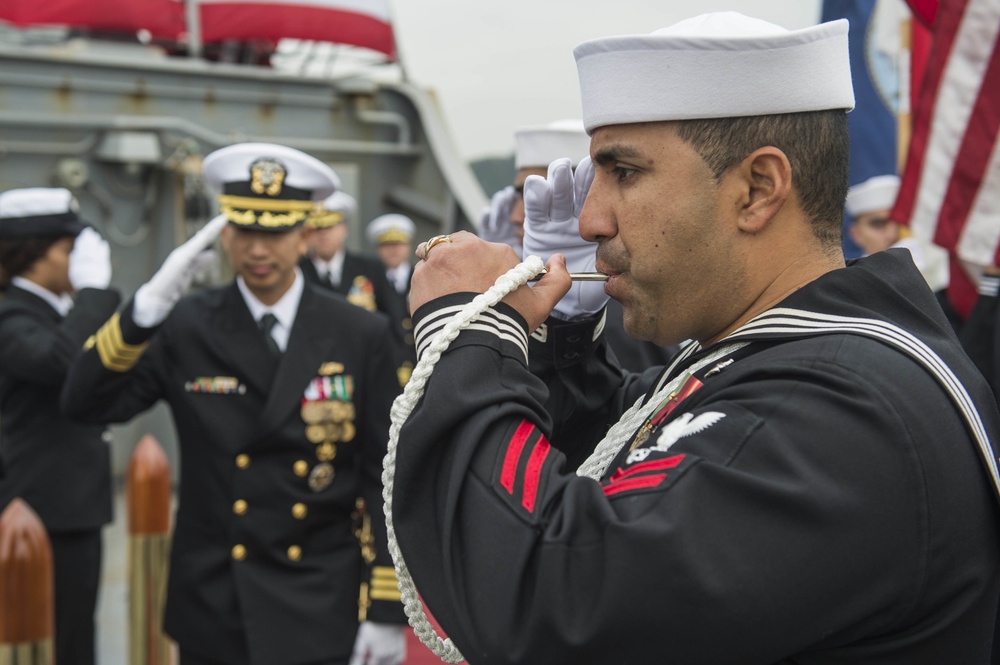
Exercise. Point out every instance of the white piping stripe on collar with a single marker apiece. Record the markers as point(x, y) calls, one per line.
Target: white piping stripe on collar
point(800, 322)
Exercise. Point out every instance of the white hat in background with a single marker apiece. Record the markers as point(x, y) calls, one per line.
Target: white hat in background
point(714, 66)
point(266, 186)
point(877, 193)
point(39, 211)
point(337, 208)
point(391, 228)
point(540, 146)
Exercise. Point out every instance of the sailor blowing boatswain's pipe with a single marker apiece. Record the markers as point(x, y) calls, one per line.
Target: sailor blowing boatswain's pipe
point(812, 479)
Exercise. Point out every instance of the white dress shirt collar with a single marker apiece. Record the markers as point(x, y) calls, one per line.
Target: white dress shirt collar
point(62, 303)
point(284, 310)
point(334, 267)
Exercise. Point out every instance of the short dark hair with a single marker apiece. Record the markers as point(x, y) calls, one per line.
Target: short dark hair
point(817, 146)
point(18, 255)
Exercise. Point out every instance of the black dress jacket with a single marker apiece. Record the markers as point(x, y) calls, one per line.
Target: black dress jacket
point(61, 468)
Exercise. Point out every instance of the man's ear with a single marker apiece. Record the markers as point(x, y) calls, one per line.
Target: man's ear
point(304, 238)
point(225, 237)
point(765, 176)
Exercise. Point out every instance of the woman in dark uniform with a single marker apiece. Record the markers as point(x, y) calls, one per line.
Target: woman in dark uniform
point(54, 275)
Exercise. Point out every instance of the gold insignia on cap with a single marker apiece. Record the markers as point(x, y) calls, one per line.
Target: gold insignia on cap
point(267, 175)
point(328, 368)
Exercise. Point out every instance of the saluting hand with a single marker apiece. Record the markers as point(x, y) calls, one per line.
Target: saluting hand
point(495, 224)
point(90, 261)
point(552, 208)
point(155, 298)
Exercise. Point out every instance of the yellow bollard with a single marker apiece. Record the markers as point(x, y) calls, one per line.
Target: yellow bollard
point(27, 617)
point(148, 496)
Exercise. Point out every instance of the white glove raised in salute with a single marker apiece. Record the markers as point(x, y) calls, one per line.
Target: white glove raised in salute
point(495, 224)
point(379, 644)
point(155, 298)
point(552, 208)
point(90, 261)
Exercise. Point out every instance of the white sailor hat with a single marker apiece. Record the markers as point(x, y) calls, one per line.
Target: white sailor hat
point(39, 211)
point(876, 193)
point(716, 65)
point(334, 209)
point(268, 187)
point(391, 228)
point(540, 146)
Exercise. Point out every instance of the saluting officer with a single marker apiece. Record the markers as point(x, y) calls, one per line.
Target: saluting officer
point(54, 274)
point(280, 393)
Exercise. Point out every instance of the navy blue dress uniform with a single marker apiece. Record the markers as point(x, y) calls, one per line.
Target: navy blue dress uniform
point(279, 540)
point(713, 528)
point(61, 468)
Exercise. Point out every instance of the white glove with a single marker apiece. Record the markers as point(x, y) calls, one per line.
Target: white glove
point(552, 208)
point(155, 298)
point(495, 226)
point(90, 261)
point(379, 644)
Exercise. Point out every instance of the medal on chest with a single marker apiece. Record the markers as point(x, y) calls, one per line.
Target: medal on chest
point(689, 385)
point(329, 414)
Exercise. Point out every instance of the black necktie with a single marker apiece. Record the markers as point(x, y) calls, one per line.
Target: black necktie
point(267, 323)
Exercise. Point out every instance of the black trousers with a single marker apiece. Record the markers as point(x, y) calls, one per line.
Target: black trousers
point(76, 559)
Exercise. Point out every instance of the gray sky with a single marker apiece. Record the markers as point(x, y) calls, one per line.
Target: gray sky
point(499, 66)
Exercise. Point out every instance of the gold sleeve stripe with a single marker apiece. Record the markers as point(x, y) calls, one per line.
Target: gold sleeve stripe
point(377, 593)
point(384, 585)
point(117, 355)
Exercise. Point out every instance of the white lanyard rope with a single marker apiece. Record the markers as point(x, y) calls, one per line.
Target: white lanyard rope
point(401, 409)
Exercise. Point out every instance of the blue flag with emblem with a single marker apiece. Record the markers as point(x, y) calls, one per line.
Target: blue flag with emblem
point(875, 73)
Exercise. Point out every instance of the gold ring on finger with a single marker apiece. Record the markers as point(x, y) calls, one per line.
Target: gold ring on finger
point(436, 240)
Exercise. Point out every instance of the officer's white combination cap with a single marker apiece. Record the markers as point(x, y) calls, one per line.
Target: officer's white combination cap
point(268, 187)
point(537, 147)
point(718, 65)
point(302, 172)
point(877, 193)
point(390, 228)
point(336, 208)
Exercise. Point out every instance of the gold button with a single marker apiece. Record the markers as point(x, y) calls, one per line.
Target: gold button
point(301, 468)
point(240, 507)
point(294, 552)
point(239, 552)
point(299, 511)
point(242, 461)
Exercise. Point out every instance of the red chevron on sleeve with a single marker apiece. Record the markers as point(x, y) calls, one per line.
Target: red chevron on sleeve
point(640, 476)
point(531, 475)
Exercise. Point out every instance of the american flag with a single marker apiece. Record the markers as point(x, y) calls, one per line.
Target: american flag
point(951, 182)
